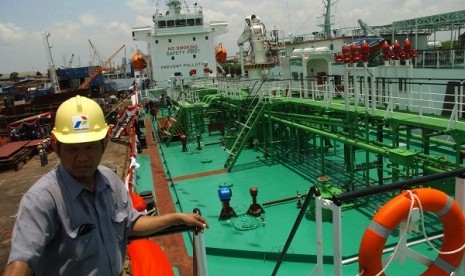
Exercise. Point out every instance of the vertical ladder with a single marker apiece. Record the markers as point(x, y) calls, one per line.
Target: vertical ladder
point(244, 134)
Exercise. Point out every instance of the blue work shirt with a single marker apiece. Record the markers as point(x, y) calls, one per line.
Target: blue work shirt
point(64, 229)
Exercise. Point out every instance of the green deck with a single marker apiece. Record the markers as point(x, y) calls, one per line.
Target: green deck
point(254, 252)
point(299, 140)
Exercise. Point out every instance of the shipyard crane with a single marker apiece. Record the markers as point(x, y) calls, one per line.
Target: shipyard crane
point(367, 29)
point(51, 66)
point(70, 63)
point(99, 69)
point(95, 54)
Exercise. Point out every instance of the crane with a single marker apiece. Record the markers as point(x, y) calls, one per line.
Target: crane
point(99, 69)
point(70, 63)
point(95, 54)
point(367, 29)
point(53, 74)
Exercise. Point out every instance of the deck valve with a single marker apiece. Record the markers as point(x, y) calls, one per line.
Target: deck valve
point(227, 211)
point(255, 209)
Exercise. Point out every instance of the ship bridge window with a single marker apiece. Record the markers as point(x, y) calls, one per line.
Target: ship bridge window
point(190, 22)
point(295, 62)
point(180, 23)
point(193, 39)
point(156, 41)
point(169, 40)
point(295, 76)
point(198, 21)
point(172, 58)
point(194, 56)
point(161, 24)
point(170, 23)
point(206, 37)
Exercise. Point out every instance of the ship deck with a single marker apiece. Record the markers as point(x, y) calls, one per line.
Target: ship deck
point(246, 245)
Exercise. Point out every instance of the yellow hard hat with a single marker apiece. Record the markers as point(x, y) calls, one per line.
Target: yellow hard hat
point(79, 120)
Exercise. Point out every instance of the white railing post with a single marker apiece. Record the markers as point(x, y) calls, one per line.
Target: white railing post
point(337, 238)
point(460, 199)
point(373, 95)
point(337, 235)
point(319, 235)
point(201, 254)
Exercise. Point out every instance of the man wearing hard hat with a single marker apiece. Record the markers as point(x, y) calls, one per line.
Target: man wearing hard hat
point(75, 220)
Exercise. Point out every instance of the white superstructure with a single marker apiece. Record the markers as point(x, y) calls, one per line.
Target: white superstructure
point(179, 43)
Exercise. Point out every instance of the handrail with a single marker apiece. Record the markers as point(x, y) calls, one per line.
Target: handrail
point(175, 229)
point(314, 191)
point(199, 254)
point(404, 184)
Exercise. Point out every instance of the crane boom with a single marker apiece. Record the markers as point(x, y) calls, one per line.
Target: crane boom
point(95, 54)
point(53, 74)
point(70, 63)
point(367, 29)
point(99, 69)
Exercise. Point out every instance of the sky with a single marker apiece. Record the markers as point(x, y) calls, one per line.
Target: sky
point(108, 24)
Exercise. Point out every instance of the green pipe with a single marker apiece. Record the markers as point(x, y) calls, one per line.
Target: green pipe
point(420, 138)
point(362, 145)
point(337, 137)
point(210, 98)
point(415, 137)
point(311, 117)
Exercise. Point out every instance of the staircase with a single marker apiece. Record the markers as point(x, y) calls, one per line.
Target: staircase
point(172, 124)
point(244, 133)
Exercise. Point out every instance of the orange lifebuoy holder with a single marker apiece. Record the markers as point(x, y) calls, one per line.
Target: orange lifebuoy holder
point(389, 217)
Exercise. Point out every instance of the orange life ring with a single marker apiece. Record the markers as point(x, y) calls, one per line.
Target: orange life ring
point(147, 258)
point(389, 217)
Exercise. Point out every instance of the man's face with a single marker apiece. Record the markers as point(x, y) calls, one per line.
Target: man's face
point(81, 160)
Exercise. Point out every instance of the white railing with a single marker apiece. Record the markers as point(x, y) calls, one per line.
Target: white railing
point(441, 58)
point(337, 230)
point(364, 91)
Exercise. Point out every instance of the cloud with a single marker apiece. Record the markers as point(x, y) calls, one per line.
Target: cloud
point(66, 30)
point(119, 27)
point(10, 32)
point(88, 19)
point(140, 6)
point(142, 20)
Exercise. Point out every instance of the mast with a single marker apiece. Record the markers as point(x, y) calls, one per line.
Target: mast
point(327, 23)
point(51, 66)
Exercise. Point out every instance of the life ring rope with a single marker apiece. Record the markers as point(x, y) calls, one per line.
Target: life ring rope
point(384, 232)
point(440, 213)
point(402, 237)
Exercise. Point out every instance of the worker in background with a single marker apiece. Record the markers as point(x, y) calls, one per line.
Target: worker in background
point(153, 111)
point(76, 219)
point(42, 155)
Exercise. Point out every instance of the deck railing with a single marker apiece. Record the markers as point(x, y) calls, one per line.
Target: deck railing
point(441, 58)
point(199, 252)
point(365, 93)
point(335, 204)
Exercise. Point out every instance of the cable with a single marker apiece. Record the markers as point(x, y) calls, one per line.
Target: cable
point(404, 235)
point(420, 207)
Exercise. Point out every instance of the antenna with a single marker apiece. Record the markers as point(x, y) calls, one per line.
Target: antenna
point(187, 7)
point(288, 17)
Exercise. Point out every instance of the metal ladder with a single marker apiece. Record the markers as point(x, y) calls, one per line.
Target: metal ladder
point(244, 134)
